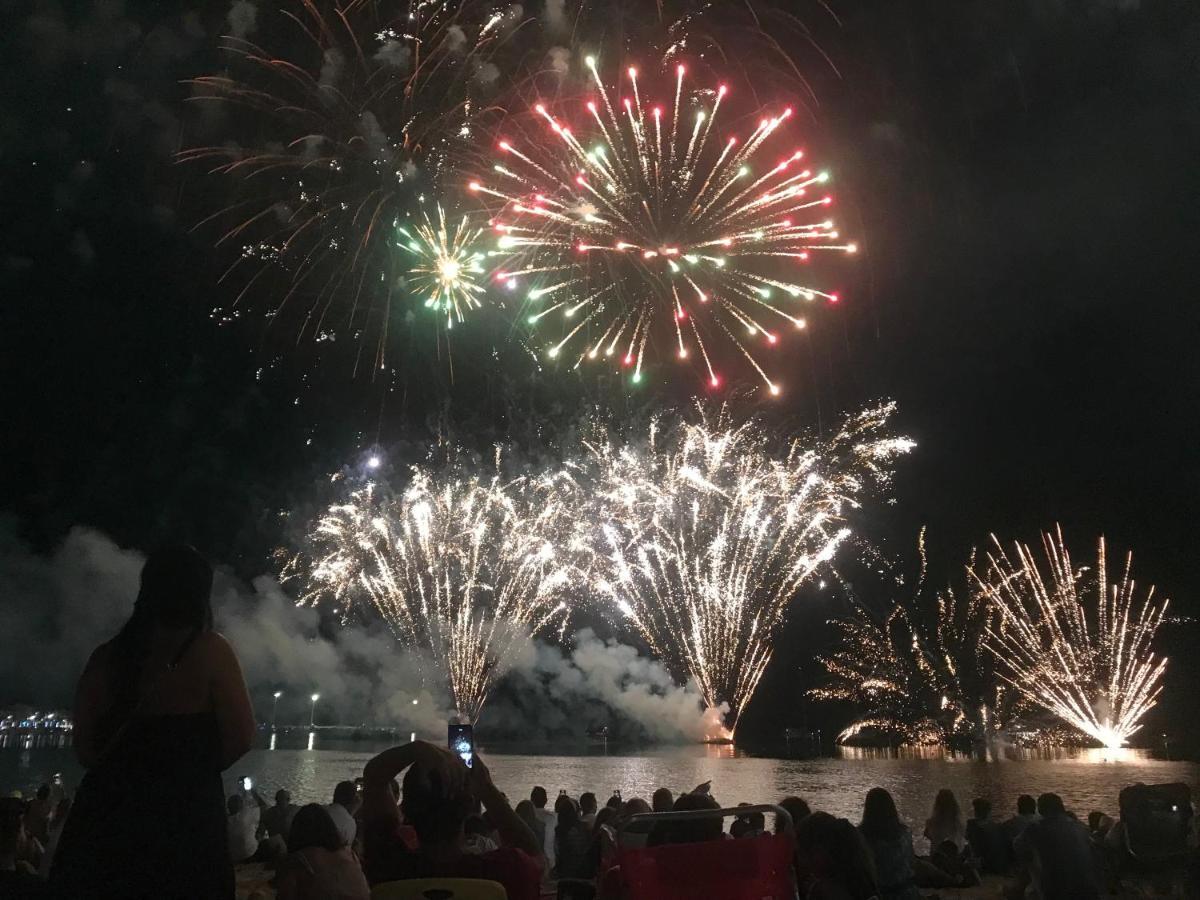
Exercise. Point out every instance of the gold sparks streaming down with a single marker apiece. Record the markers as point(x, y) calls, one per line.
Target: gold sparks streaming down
point(462, 566)
point(879, 667)
point(922, 673)
point(447, 263)
point(654, 231)
point(1091, 664)
point(705, 536)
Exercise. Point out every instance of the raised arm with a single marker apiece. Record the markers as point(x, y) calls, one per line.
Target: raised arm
point(513, 830)
point(378, 803)
point(231, 701)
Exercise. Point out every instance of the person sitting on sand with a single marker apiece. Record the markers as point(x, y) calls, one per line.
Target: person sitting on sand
point(17, 878)
point(662, 801)
point(277, 821)
point(243, 825)
point(833, 860)
point(891, 846)
point(986, 839)
point(946, 822)
point(1026, 815)
point(320, 865)
point(345, 804)
point(439, 793)
point(1056, 856)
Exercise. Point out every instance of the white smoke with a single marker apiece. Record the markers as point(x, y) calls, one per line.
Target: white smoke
point(243, 19)
point(331, 68)
point(456, 39)
point(559, 61)
point(55, 609)
point(556, 17)
point(486, 73)
point(375, 137)
point(600, 682)
point(394, 54)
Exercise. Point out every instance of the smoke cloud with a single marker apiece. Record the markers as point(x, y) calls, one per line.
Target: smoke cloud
point(55, 609)
point(243, 19)
point(331, 68)
point(559, 61)
point(556, 16)
point(394, 55)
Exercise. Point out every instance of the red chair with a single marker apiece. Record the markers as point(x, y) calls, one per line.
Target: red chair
point(758, 868)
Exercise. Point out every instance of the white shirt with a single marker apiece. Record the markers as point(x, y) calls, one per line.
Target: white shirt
point(549, 821)
point(345, 823)
point(241, 830)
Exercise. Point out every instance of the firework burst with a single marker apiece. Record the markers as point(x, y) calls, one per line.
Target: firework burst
point(652, 232)
point(350, 126)
point(447, 265)
point(1090, 663)
point(922, 673)
point(881, 669)
point(462, 566)
point(705, 536)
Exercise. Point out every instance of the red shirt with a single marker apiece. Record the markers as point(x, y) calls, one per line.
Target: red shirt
point(388, 858)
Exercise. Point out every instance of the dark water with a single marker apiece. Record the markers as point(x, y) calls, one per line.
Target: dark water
point(1087, 780)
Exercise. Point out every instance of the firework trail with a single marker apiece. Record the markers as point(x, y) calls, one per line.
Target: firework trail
point(705, 536)
point(353, 121)
point(462, 565)
point(650, 231)
point(1090, 663)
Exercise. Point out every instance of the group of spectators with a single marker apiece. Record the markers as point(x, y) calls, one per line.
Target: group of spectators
point(445, 820)
point(162, 710)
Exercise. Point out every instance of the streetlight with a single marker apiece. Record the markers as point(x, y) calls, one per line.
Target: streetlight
point(274, 705)
point(313, 712)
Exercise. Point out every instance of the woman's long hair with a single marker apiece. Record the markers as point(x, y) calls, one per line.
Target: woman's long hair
point(880, 821)
point(568, 817)
point(945, 808)
point(175, 591)
point(844, 852)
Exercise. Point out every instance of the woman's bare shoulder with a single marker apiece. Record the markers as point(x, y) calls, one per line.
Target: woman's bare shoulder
point(213, 641)
point(101, 657)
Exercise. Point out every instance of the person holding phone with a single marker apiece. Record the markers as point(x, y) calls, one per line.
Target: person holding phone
point(439, 794)
point(244, 823)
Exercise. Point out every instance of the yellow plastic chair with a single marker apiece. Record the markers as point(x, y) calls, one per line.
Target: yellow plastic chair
point(440, 889)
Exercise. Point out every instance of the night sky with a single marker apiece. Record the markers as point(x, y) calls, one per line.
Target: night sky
point(1022, 179)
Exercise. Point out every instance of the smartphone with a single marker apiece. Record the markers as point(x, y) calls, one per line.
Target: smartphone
point(461, 740)
point(247, 783)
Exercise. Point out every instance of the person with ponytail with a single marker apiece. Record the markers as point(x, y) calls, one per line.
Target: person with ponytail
point(160, 711)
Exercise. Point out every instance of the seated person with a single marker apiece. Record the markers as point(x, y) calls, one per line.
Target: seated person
point(1056, 856)
point(796, 808)
point(438, 795)
point(277, 820)
point(751, 825)
point(17, 877)
point(833, 860)
point(986, 838)
point(320, 865)
point(242, 825)
point(1026, 815)
point(343, 808)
